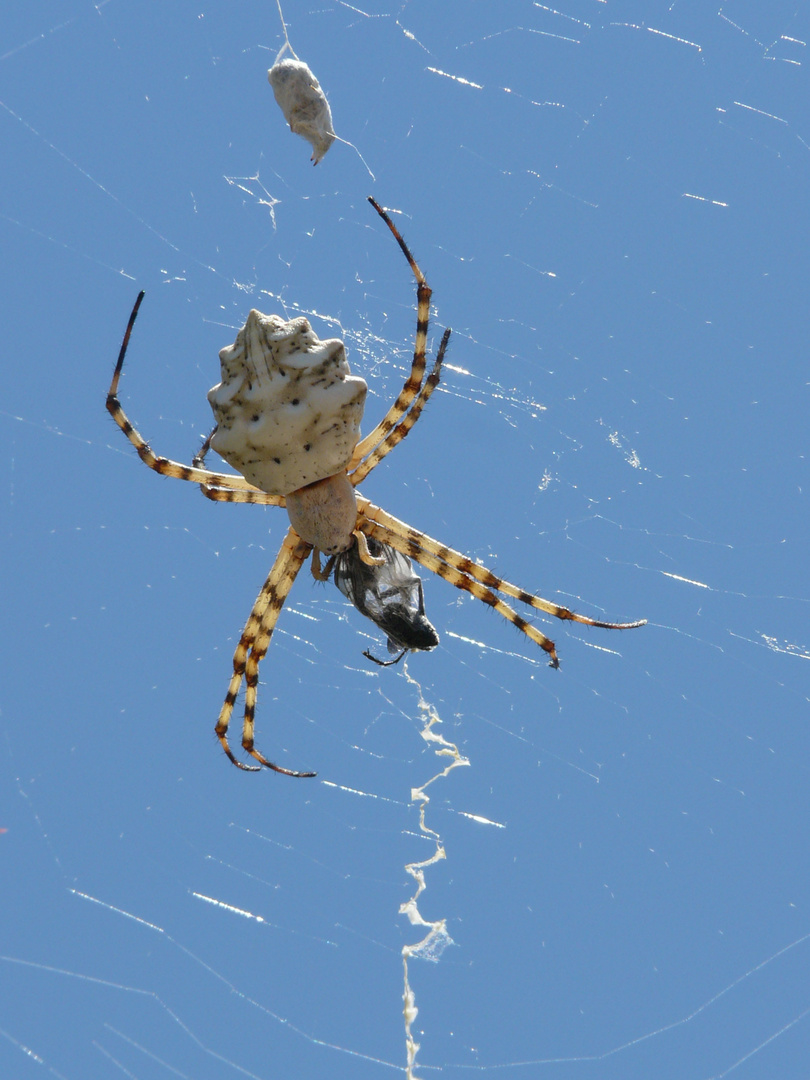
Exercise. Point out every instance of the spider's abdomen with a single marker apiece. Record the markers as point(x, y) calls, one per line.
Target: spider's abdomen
point(288, 410)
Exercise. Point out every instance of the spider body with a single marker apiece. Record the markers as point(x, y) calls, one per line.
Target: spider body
point(287, 418)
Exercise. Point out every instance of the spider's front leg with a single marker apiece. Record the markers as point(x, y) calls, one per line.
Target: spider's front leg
point(164, 466)
point(218, 493)
point(399, 432)
point(253, 645)
point(413, 382)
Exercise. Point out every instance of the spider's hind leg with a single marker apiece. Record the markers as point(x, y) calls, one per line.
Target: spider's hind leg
point(465, 574)
point(408, 542)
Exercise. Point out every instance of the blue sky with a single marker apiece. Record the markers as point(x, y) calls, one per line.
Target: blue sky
point(609, 200)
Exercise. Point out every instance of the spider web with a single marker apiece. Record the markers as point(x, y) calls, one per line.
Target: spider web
point(609, 201)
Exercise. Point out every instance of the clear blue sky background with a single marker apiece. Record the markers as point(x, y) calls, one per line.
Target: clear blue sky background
point(610, 201)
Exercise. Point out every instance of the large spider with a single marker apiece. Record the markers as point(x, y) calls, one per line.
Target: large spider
point(307, 455)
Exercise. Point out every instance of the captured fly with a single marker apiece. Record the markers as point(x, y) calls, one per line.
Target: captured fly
point(390, 595)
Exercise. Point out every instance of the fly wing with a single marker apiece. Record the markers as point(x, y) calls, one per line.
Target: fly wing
point(389, 594)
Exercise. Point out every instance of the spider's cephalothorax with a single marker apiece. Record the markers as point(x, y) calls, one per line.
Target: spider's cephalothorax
point(288, 413)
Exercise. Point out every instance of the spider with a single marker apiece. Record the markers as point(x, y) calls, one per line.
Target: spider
point(368, 549)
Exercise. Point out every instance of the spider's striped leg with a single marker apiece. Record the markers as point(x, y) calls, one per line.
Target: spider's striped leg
point(263, 616)
point(321, 573)
point(404, 426)
point(231, 495)
point(239, 661)
point(161, 465)
point(293, 552)
point(465, 565)
point(417, 373)
point(461, 581)
point(198, 461)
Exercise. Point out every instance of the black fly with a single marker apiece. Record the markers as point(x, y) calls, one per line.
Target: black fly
point(390, 595)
